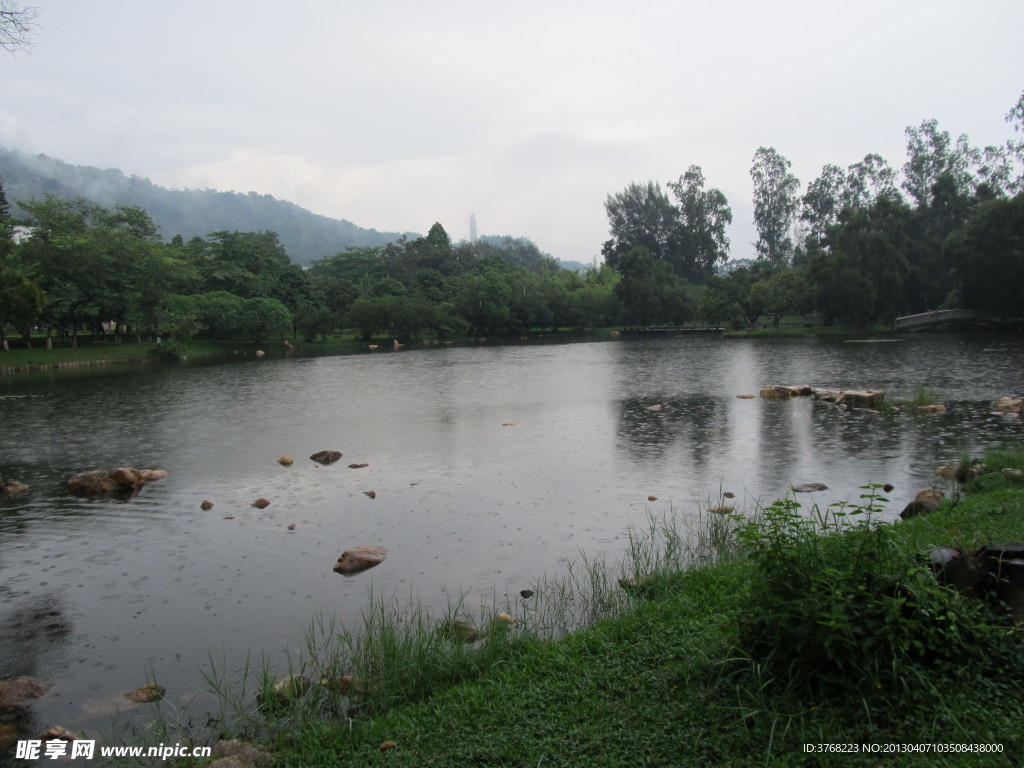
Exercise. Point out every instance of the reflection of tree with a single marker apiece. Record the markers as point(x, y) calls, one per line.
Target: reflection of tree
point(649, 427)
point(35, 628)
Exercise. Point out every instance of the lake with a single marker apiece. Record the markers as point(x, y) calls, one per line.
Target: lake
point(491, 466)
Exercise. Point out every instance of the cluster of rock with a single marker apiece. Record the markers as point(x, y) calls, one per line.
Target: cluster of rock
point(17, 694)
point(849, 398)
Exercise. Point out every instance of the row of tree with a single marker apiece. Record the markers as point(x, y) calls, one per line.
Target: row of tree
point(860, 245)
point(71, 265)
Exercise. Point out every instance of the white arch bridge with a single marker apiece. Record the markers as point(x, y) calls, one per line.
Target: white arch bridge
point(938, 317)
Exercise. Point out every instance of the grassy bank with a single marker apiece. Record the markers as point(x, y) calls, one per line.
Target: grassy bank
point(724, 639)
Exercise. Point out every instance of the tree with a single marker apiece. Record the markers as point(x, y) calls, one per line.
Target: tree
point(485, 300)
point(784, 292)
point(931, 154)
point(17, 26)
point(21, 302)
point(868, 180)
point(988, 253)
point(703, 216)
point(247, 264)
point(1015, 146)
point(64, 257)
point(640, 216)
point(649, 290)
point(822, 202)
point(870, 249)
point(260, 317)
point(775, 205)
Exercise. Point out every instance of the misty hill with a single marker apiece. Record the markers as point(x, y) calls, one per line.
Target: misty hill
point(191, 212)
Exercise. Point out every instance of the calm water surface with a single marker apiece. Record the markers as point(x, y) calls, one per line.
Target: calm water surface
point(98, 595)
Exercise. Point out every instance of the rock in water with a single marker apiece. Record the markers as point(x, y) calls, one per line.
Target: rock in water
point(146, 693)
point(809, 487)
point(12, 488)
point(123, 481)
point(326, 457)
point(359, 559)
point(16, 692)
point(261, 503)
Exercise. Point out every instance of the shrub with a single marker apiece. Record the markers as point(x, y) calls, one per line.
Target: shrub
point(838, 606)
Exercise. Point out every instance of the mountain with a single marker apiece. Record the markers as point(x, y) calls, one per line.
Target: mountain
point(190, 212)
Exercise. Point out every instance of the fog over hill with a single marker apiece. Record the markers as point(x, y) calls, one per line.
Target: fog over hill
point(190, 212)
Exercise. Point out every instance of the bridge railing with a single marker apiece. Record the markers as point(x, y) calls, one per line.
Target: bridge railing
point(936, 317)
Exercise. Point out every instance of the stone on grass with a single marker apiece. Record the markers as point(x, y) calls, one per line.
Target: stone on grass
point(926, 501)
point(239, 754)
point(460, 632)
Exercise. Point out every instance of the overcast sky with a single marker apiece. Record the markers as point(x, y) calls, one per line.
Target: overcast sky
point(395, 114)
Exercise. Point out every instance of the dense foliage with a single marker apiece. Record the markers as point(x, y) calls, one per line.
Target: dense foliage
point(80, 266)
point(861, 246)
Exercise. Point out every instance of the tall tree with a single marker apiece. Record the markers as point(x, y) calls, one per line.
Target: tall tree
point(932, 153)
point(868, 180)
point(870, 246)
point(640, 216)
point(1015, 146)
point(822, 202)
point(703, 216)
point(775, 205)
point(988, 252)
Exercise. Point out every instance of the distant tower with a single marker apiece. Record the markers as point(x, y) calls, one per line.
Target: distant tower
point(472, 227)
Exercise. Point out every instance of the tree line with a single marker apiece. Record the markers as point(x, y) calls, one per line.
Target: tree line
point(860, 245)
point(70, 265)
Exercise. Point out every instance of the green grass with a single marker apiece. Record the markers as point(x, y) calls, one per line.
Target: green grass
point(665, 673)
